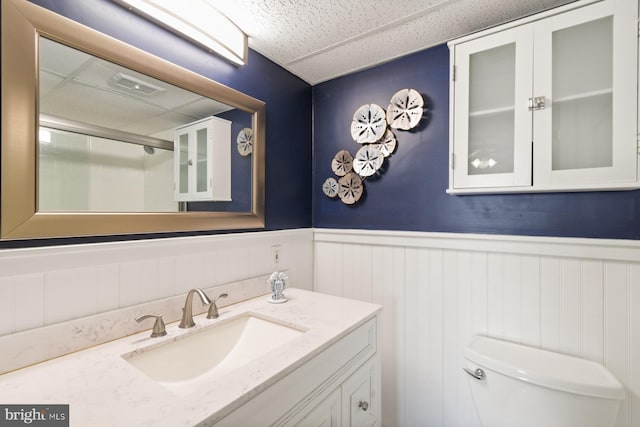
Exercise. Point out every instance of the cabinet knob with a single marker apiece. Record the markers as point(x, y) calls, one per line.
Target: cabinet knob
point(363, 405)
point(190, 162)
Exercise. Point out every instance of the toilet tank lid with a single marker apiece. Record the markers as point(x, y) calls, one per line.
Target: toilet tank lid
point(544, 368)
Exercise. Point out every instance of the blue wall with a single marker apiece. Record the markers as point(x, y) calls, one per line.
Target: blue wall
point(288, 100)
point(410, 194)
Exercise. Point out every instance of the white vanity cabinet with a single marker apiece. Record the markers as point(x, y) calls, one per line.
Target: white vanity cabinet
point(338, 387)
point(325, 414)
point(313, 361)
point(358, 394)
point(202, 161)
point(547, 103)
point(354, 403)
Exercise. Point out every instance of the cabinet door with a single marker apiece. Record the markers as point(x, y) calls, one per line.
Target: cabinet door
point(181, 164)
point(585, 67)
point(193, 168)
point(360, 397)
point(491, 122)
point(202, 161)
point(202, 166)
point(326, 414)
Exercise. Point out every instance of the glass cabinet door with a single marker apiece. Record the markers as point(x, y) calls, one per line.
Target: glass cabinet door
point(202, 163)
point(582, 135)
point(181, 150)
point(202, 160)
point(192, 148)
point(492, 126)
point(549, 104)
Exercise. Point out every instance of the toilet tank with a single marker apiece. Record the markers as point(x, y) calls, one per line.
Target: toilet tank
point(525, 386)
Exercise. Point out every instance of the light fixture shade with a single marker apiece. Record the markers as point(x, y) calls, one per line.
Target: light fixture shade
point(198, 21)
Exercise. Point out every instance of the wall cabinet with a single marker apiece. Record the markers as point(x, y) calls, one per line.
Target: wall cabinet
point(202, 160)
point(338, 387)
point(548, 103)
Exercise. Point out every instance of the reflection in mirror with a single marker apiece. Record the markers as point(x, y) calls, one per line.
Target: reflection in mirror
point(80, 172)
point(88, 126)
point(106, 141)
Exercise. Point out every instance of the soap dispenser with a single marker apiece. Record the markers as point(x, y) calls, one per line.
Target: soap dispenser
point(278, 281)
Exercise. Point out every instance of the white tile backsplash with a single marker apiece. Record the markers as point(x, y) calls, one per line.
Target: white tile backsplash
point(29, 301)
point(70, 294)
point(197, 270)
point(232, 264)
point(107, 291)
point(55, 300)
point(45, 286)
point(7, 302)
point(135, 278)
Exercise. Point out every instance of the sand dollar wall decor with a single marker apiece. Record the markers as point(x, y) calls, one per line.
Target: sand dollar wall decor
point(368, 124)
point(350, 188)
point(342, 163)
point(370, 127)
point(387, 144)
point(405, 109)
point(330, 187)
point(244, 141)
point(368, 160)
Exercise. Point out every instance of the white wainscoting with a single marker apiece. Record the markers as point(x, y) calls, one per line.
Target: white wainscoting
point(574, 296)
point(45, 286)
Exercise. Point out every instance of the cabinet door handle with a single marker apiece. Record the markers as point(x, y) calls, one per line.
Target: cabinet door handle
point(537, 103)
point(363, 405)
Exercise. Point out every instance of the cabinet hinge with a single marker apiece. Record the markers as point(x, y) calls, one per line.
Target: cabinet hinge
point(453, 73)
point(453, 161)
point(638, 144)
point(638, 28)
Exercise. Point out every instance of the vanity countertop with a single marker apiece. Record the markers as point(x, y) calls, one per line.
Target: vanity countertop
point(103, 389)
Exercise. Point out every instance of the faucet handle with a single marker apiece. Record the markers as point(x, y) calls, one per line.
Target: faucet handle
point(213, 308)
point(159, 329)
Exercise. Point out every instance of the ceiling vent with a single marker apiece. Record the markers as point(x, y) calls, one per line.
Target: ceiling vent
point(135, 85)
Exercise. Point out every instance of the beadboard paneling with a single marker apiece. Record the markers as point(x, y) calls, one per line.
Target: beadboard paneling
point(575, 296)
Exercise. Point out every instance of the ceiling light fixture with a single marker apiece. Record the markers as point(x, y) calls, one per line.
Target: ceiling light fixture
point(198, 21)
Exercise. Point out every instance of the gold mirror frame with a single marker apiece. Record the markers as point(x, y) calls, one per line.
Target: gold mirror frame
point(22, 24)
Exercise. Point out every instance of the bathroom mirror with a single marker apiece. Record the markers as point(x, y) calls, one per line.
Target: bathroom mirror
point(87, 135)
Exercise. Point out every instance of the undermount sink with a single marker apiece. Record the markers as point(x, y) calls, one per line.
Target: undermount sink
point(211, 352)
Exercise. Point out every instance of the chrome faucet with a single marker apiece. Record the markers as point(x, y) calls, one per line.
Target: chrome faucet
point(187, 310)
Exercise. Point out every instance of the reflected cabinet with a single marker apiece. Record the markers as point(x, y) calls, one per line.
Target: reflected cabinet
point(203, 164)
point(548, 103)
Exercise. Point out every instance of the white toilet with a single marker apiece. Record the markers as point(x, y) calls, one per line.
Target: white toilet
point(518, 386)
